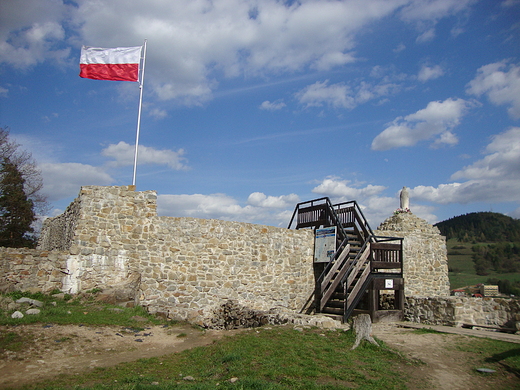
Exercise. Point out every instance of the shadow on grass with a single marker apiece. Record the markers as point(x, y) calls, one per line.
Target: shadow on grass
point(500, 358)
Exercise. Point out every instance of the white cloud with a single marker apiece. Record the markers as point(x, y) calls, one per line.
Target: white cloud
point(494, 178)
point(433, 10)
point(430, 73)
point(374, 206)
point(272, 106)
point(341, 95)
point(190, 42)
point(31, 31)
point(3, 92)
point(437, 119)
point(320, 93)
point(63, 180)
point(123, 154)
point(427, 36)
point(401, 47)
point(501, 162)
point(157, 113)
point(259, 199)
point(334, 59)
point(500, 81)
point(426, 14)
point(341, 190)
point(220, 206)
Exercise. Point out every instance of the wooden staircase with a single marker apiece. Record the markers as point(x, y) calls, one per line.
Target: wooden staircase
point(359, 259)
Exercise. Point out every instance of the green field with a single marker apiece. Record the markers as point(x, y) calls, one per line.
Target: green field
point(462, 273)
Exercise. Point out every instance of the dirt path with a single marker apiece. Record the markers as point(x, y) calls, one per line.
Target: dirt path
point(445, 367)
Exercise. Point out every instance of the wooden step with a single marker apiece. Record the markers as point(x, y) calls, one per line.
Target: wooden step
point(332, 310)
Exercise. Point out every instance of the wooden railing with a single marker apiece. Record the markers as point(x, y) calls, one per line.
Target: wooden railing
point(350, 215)
point(353, 273)
point(315, 213)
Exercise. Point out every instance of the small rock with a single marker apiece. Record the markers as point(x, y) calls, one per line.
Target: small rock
point(33, 311)
point(155, 383)
point(30, 301)
point(189, 378)
point(17, 314)
point(139, 340)
point(233, 380)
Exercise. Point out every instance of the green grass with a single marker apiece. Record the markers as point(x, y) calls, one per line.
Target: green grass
point(426, 331)
point(85, 310)
point(462, 264)
point(264, 358)
point(488, 353)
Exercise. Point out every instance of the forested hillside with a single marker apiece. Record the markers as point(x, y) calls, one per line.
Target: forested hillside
point(481, 227)
point(483, 247)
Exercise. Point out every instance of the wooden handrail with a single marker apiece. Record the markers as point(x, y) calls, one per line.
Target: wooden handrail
point(376, 252)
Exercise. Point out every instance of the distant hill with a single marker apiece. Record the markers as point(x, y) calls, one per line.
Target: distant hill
point(481, 227)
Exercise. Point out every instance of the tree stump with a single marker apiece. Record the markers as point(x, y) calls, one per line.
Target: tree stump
point(363, 329)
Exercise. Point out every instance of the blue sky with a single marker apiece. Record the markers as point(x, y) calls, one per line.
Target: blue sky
point(253, 106)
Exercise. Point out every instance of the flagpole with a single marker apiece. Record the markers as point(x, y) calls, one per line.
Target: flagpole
point(141, 84)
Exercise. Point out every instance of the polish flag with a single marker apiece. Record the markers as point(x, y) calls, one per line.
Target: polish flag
point(118, 64)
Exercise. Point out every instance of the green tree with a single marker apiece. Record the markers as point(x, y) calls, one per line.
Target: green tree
point(16, 211)
point(20, 190)
point(11, 151)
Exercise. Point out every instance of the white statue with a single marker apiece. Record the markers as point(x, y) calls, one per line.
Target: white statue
point(405, 199)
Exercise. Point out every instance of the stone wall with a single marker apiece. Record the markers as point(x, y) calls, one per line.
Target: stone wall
point(425, 259)
point(455, 311)
point(57, 233)
point(31, 270)
point(182, 267)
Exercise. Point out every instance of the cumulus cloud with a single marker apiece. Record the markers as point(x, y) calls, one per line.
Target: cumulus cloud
point(500, 82)
point(62, 180)
point(437, 119)
point(259, 199)
point(494, 178)
point(268, 209)
point(430, 73)
point(375, 206)
point(123, 154)
point(340, 189)
point(191, 42)
point(272, 106)
point(32, 32)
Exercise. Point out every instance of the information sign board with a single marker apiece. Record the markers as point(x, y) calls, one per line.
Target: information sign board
point(324, 244)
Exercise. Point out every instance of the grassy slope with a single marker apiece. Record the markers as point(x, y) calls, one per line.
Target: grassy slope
point(463, 264)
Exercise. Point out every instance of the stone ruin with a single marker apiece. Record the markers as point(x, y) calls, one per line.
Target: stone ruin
point(217, 273)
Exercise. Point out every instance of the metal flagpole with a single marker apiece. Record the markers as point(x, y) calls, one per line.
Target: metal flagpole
point(141, 84)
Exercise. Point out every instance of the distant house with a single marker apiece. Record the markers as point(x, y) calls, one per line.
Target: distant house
point(458, 292)
point(489, 290)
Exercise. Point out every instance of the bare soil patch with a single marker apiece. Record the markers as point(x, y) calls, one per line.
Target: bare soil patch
point(49, 350)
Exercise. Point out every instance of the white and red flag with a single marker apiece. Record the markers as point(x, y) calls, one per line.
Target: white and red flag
point(118, 64)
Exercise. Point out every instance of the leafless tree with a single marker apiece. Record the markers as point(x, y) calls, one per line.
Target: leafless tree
point(26, 165)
